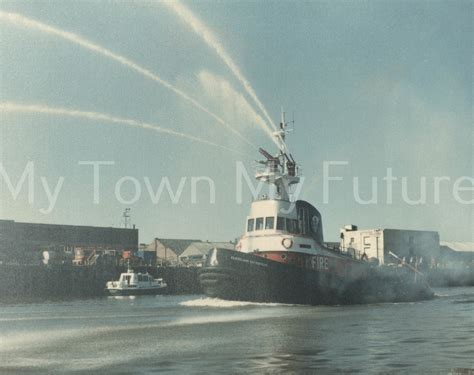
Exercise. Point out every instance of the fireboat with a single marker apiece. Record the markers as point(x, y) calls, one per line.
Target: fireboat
point(281, 257)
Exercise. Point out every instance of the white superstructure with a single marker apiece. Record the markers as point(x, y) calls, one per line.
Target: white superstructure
point(276, 224)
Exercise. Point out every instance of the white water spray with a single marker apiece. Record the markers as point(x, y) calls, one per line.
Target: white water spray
point(233, 103)
point(20, 20)
point(6, 107)
point(203, 31)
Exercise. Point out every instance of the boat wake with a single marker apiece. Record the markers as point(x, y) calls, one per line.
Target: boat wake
point(455, 293)
point(220, 303)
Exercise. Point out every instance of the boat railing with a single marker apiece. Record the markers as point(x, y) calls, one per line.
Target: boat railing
point(348, 251)
point(273, 169)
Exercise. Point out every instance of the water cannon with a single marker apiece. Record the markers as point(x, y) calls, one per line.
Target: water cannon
point(290, 159)
point(268, 156)
point(272, 162)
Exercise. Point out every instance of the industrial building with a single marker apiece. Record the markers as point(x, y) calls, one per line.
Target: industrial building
point(387, 244)
point(29, 243)
point(196, 253)
point(170, 251)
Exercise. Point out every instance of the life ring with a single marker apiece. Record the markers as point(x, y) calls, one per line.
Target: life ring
point(287, 243)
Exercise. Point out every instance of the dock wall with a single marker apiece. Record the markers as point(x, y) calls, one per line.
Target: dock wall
point(21, 283)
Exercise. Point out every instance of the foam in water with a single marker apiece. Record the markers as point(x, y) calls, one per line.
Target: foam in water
point(26, 340)
point(220, 303)
point(228, 318)
point(20, 20)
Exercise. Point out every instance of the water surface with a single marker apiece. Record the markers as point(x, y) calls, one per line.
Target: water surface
point(195, 334)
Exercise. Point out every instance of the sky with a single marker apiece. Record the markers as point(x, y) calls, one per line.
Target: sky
point(375, 84)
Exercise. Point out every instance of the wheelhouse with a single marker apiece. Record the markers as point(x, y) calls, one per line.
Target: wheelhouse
point(282, 217)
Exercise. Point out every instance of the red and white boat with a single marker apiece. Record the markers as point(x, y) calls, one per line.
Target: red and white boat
point(281, 257)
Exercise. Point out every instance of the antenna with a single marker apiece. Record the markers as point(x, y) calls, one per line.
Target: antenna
point(283, 122)
point(280, 134)
point(126, 219)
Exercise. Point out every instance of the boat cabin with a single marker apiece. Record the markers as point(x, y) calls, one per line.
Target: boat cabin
point(271, 221)
point(131, 279)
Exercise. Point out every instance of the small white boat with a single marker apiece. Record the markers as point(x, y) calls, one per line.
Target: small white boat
point(135, 284)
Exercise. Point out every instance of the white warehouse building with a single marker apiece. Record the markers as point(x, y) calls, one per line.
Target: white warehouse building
point(378, 243)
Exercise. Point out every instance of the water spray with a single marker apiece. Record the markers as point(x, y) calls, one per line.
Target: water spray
point(220, 89)
point(6, 107)
point(20, 20)
point(203, 31)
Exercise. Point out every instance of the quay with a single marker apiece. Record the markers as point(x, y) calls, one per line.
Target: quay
point(47, 261)
point(30, 283)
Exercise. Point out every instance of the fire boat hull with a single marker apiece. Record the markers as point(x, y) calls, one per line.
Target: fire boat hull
point(233, 275)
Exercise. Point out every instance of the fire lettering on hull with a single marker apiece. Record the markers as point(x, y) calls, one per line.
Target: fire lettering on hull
point(320, 263)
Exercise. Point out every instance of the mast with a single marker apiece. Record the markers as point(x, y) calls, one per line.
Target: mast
point(126, 218)
point(280, 170)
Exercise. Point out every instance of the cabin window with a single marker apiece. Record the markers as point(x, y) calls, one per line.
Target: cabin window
point(302, 219)
point(280, 223)
point(296, 228)
point(250, 223)
point(292, 226)
point(289, 225)
point(269, 222)
point(259, 223)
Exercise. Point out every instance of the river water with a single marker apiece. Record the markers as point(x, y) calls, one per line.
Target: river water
point(195, 334)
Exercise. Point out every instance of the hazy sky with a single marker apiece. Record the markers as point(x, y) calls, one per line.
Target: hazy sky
point(379, 84)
